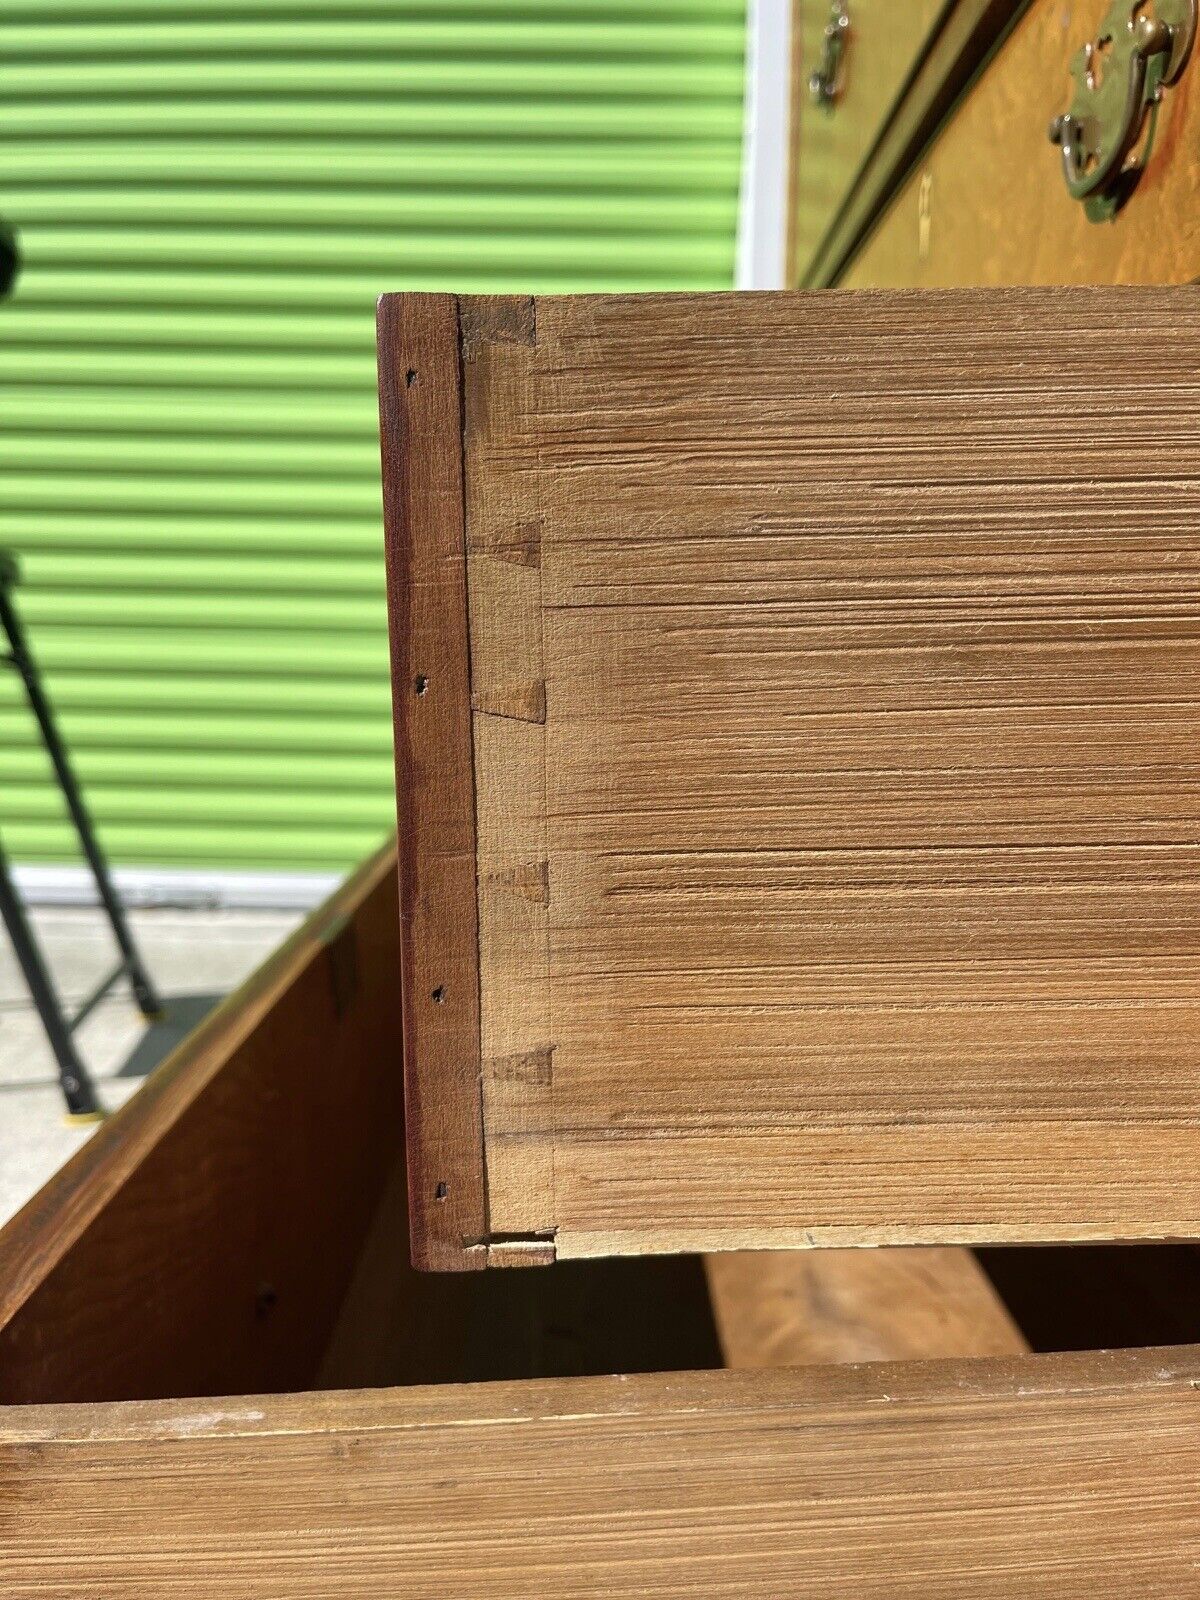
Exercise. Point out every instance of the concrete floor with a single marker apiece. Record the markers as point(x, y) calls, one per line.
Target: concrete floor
point(195, 957)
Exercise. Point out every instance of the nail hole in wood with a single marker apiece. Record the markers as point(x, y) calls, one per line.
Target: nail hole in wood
point(442, 1190)
point(420, 683)
point(439, 994)
point(410, 377)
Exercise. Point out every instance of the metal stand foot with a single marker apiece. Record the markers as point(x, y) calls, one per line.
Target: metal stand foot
point(72, 1074)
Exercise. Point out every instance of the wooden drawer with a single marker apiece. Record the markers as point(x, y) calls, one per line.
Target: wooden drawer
point(801, 836)
point(884, 41)
point(987, 203)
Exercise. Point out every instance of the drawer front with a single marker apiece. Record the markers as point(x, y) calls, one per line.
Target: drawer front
point(881, 45)
point(989, 205)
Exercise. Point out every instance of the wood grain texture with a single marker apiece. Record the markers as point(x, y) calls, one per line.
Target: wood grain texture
point(784, 1308)
point(1010, 220)
point(204, 1237)
point(421, 424)
point(509, 726)
point(871, 835)
point(948, 228)
point(1076, 1478)
point(886, 42)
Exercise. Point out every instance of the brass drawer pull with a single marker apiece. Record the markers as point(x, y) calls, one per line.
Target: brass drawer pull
point(1142, 46)
point(825, 84)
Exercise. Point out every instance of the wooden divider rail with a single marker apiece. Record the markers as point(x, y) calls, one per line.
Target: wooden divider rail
point(1072, 1477)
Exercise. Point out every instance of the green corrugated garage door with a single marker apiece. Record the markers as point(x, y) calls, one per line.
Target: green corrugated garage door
point(209, 198)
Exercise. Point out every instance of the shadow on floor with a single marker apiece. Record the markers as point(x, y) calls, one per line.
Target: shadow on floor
point(182, 1013)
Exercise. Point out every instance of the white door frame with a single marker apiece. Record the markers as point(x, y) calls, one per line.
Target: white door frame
point(762, 238)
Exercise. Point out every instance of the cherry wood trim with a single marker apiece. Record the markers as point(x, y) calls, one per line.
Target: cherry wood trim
point(421, 426)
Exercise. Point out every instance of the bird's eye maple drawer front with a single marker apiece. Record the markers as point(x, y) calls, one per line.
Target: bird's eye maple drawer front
point(855, 56)
point(994, 201)
point(797, 702)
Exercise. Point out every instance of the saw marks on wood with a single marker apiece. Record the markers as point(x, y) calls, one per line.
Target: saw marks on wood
point(834, 666)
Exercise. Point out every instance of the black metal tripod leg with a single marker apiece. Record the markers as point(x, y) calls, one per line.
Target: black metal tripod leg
point(72, 1074)
point(139, 979)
